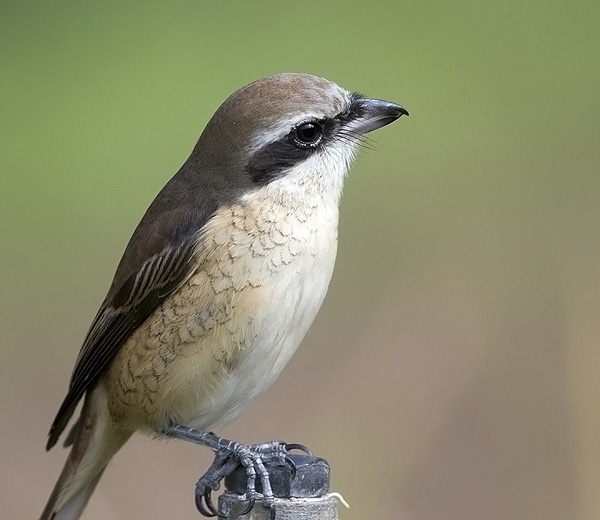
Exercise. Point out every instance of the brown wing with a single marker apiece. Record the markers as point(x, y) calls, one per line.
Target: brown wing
point(141, 293)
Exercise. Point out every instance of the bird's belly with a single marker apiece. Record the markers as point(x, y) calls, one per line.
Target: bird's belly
point(225, 335)
point(247, 363)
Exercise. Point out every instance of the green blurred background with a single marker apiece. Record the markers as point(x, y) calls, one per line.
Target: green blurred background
point(454, 371)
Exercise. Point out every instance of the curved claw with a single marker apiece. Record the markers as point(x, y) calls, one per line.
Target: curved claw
point(206, 506)
point(292, 465)
point(209, 503)
point(199, 504)
point(251, 502)
point(301, 447)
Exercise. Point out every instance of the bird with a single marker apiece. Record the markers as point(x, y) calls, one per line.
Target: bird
point(219, 282)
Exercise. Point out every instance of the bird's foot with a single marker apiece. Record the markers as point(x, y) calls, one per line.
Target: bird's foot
point(228, 456)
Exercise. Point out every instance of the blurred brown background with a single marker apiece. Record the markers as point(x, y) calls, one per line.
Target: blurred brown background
point(454, 371)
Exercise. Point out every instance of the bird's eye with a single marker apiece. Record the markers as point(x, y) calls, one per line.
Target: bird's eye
point(308, 134)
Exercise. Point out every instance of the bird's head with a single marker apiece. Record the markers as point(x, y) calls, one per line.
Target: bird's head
point(290, 125)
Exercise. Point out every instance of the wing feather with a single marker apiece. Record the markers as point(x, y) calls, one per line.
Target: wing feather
point(118, 318)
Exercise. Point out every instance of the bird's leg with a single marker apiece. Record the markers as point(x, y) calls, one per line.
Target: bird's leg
point(228, 456)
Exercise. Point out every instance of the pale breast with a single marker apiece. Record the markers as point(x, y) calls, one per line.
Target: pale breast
point(227, 333)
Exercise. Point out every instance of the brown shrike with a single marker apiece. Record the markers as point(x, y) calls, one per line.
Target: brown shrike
point(219, 283)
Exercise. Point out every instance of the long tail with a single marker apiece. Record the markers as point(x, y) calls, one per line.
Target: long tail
point(95, 441)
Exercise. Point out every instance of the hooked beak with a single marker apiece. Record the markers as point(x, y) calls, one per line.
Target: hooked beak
point(375, 113)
